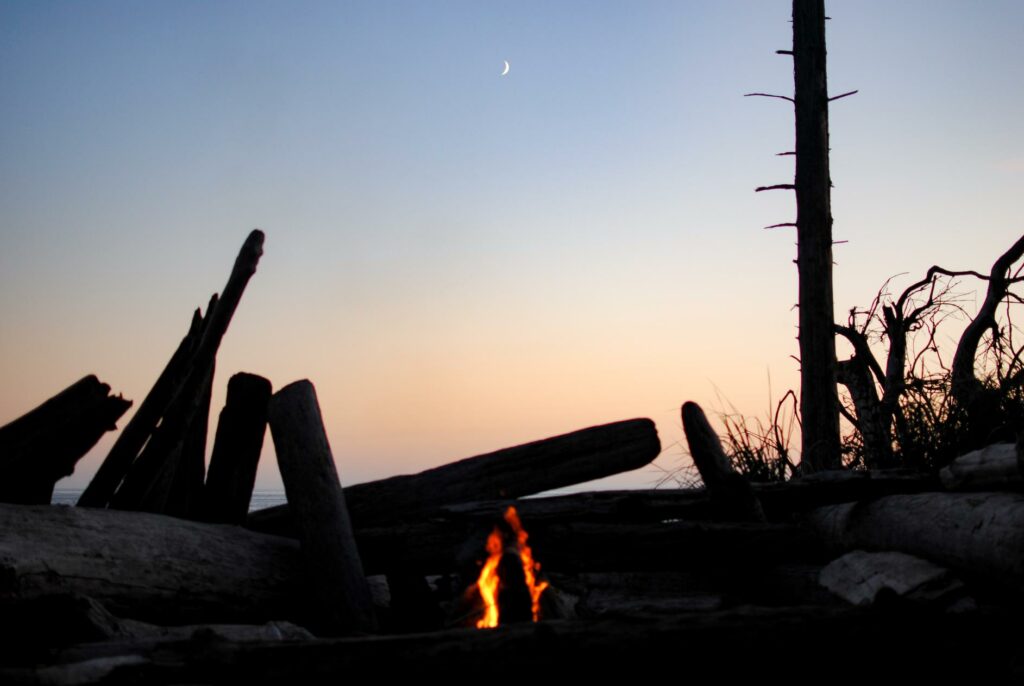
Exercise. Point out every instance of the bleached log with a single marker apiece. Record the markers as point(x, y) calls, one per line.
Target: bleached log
point(862, 578)
point(993, 467)
point(980, 534)
point(150, 567)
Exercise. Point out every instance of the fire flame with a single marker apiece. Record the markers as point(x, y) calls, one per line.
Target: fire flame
point(489, 582)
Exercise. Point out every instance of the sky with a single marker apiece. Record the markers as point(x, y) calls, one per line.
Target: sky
point(462, 261)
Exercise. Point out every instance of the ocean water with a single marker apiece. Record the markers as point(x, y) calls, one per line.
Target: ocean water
point(260, 499)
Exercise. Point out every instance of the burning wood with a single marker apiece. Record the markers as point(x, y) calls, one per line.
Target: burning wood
point(500, 581)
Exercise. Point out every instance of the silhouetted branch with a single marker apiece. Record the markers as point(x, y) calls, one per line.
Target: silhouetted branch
point(777, 226)
point(783, 52)
point(777, 187)
point(768, 95)
point(784, 154)
point(843, 95)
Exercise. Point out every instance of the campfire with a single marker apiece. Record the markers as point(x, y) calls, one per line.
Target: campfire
point(508, 579)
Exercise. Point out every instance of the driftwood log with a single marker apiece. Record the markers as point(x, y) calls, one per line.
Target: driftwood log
point(543, 465)
point(978, 534)
point(730, 493)
point(995, 467)
point(43, 445)
point(236, 449)
point(149, 567)
point(168, 475)
point(318, 510)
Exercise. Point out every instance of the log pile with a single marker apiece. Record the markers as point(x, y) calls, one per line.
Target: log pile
point(151, 579)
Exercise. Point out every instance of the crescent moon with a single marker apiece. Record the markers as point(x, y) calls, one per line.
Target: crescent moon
point(506, 68)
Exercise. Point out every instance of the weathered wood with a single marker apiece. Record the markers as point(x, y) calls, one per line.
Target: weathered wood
point(737, 642)
point(150, 567)
point(819, 402)
point(139, 428)
point(979, 534)
point(731, 495)
point(43, 445)
point(318, 507)
point(991, 468)
point(236, 449)
point(543, 465)
point(150, 482)
point(863, 578)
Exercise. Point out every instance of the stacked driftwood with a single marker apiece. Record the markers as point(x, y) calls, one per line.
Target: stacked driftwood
point(152, 580)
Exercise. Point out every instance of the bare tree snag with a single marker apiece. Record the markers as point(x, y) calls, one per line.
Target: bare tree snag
point(819, 402)
point(43, 446)
point(731, 495)
point(535, 467)
point(318, 508)
point(150, 481)
point(236, 449)
point(968, 391)
point(981, 534)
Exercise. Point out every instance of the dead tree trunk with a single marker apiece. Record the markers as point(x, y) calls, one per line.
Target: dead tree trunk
point(236, 450)
point(318, 510)
point(819, 402)
point(42, 446)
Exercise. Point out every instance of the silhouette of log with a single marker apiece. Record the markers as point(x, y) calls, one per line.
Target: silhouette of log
point(236, 449)
point(140, 427)
point(731, 495)
point(993, 468)
point(543, 465)
point(150, 567)
point(318, 506)
point(981, 534)
point(150, 483)
point(43, 446)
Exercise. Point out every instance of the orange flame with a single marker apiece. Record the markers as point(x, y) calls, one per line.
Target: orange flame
point(489, 582)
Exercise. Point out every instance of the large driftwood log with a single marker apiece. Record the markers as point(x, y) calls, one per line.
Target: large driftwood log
point(543, 465)
point(139, 428)
point(731, 495)
point(991, 468)
point(979, 534)
point(236, 449)
point(739, 642)
point(149, 567)
point(154, 483)
point(318, 509)
point(43, 445)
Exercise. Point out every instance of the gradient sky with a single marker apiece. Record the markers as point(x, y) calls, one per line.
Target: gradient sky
point(462, 261)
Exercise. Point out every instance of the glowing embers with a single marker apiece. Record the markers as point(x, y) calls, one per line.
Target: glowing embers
point(508, 581)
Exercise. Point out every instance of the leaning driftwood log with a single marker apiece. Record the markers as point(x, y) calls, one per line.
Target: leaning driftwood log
point(992, 468)
point(980, 534)
point(318, 510)
point(149, 567)
point(236, 450)
point(731, 495)
point(523, 470)
point(154, 483)
point(43, 446)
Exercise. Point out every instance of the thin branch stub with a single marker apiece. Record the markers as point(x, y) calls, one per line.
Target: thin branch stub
point(769, 95)
point(777, 187)
point(843, 95)
point(778, 226)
